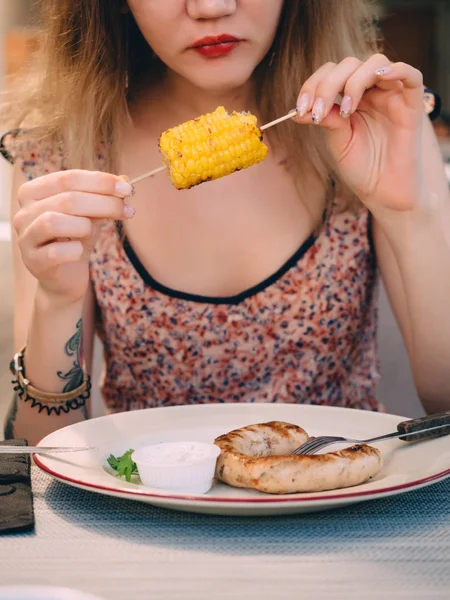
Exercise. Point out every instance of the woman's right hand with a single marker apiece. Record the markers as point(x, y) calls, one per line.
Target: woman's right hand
point(58, 222)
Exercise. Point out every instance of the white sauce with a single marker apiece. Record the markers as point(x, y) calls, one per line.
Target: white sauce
point(177, 453)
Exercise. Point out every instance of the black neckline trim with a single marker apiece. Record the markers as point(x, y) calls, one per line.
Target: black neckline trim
point(3, 149)
point(238, 298)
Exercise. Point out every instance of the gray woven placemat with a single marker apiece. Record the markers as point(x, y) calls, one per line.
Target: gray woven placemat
point(123, 550)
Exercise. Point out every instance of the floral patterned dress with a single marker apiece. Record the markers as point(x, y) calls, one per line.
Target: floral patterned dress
point(307, 334)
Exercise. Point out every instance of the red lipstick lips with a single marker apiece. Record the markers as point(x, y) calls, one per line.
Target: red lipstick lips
point(216, 46)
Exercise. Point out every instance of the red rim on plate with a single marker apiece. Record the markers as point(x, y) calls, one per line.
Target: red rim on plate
point(270, 500)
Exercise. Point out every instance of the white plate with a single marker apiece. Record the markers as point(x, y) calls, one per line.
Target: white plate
point(406, 466)
point(26, 592)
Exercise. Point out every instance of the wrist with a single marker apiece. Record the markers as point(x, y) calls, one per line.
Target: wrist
point(49, 301)
point(418, 223)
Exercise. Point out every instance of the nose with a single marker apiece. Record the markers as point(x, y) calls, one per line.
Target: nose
point(210, 9)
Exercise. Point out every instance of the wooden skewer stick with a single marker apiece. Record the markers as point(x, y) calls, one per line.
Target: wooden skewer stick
point(290, 114)
point(149, 174)
point(164, 167)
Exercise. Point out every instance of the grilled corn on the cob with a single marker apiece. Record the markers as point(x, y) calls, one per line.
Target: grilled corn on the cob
point(211, 146)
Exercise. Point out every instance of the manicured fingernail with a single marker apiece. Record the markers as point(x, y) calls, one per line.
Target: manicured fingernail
point(346, 107)
point(128, 180)
point(383, 71)
point(128, 211)
point(318, 110)
point(123, 188)
point(303, 105)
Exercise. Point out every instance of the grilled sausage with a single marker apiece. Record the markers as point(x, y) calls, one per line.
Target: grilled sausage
point(260, 457)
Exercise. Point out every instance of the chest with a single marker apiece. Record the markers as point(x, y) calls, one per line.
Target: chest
point(225, 236)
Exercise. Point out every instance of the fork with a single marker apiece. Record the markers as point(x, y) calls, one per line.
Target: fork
point(414, 430)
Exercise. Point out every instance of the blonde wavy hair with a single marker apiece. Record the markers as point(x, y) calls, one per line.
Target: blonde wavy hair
point(92, 55)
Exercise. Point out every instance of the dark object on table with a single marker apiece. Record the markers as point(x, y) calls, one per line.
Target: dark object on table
point(432, 103)
point(16, 498)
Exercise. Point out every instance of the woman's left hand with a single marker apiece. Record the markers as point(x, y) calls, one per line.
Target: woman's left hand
point(375, 136)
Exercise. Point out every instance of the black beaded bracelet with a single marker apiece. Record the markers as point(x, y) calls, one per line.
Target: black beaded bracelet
point(64, 407)
point(47, 401)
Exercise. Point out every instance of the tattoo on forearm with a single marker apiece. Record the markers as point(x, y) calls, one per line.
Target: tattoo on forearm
point(11, 419)
point(74, 347)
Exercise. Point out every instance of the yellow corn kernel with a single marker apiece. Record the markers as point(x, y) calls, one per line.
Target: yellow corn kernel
point(211, 146)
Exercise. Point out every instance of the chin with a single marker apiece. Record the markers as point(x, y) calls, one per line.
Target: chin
point(216, 76)
point(219, 82)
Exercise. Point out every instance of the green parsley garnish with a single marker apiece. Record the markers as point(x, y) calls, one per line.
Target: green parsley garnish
point(124, 465)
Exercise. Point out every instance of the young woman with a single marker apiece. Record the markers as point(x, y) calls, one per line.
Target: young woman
point(257, 287)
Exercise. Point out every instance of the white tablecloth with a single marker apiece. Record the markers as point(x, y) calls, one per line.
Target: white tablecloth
point(123, 550)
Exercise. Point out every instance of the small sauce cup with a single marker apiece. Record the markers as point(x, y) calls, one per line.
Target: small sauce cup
point(181, 467)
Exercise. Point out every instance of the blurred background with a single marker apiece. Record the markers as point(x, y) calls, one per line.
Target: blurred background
point(416, 31)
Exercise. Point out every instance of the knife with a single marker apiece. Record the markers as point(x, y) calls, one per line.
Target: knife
point(43, 449)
